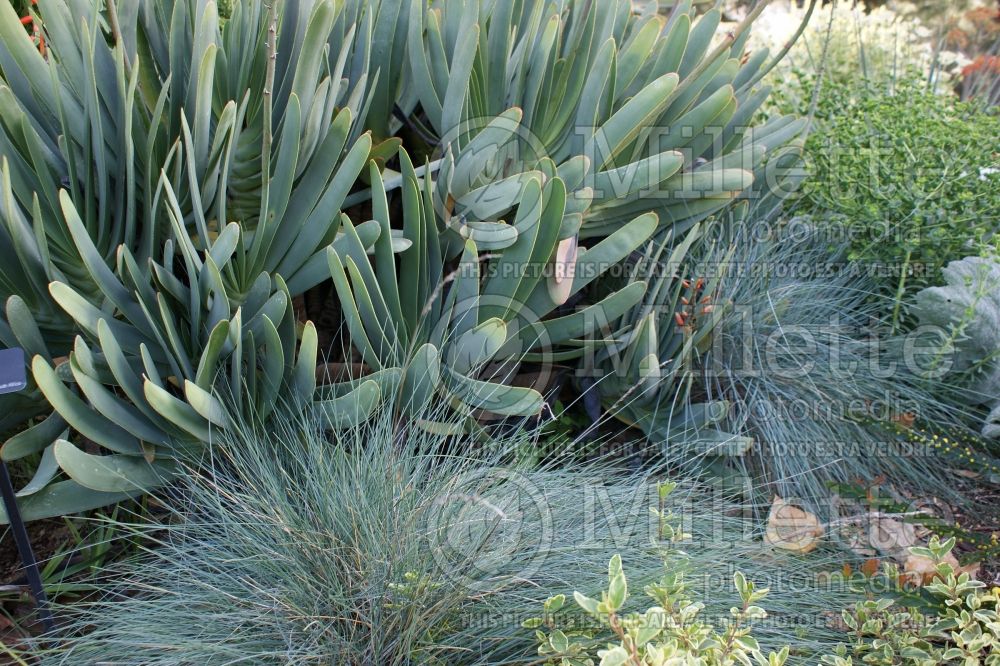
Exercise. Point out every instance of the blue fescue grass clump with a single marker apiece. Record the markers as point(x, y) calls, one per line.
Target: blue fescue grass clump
point(286, 548)
point(807, 356)
point(383, 545)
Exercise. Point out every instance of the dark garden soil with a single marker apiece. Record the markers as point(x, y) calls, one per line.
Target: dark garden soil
point(47, 538)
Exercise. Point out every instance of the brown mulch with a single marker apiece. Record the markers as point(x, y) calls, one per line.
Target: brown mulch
point(17, 608)
point(47, 538)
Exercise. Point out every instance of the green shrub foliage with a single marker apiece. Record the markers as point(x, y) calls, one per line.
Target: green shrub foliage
point(907, 176)
point(966, 630)
point(668, 632)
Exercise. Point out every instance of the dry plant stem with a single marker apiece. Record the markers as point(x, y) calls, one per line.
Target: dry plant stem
point(900, 289)
point(620, 633)
point(272, 52)
point(732, 631)
point(721, 48)
point(821, 70)
point(117, 31)
point(787, 47)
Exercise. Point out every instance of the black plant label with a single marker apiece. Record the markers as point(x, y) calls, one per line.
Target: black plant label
point(13, 373)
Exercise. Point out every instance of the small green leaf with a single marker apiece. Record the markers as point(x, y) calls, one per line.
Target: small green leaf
point(617, 586)
point(586, 603)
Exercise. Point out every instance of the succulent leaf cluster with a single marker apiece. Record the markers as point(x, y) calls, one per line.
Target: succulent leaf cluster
point(463, 173)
